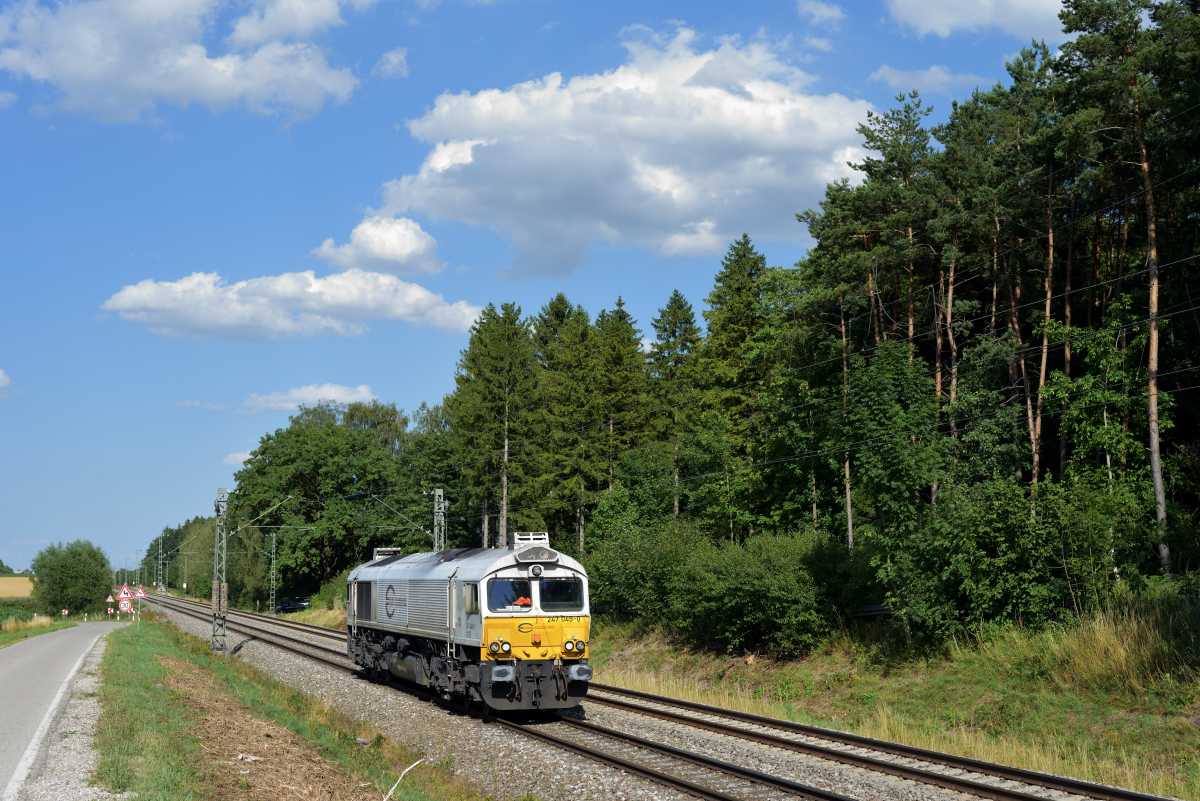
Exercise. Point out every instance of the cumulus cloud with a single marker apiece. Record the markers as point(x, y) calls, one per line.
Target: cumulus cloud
point(7, 99)
point(819, 13)
point(393, 244)
point(236, 458)
point(393, 64)
point(934, 80)
point(208, 407)
point(679, 150)
point(292, 304)
point(283, 19)
point(818, 43)
point(1024, 19)
point(5, 381)
point(307, 396)
point(118, 59)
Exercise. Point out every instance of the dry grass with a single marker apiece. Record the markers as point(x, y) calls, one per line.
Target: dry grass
point(248, 757)
point(16, 587)
point(1133, 648)
point(1112, 698)
point(327, 618)
point(884, 722)
point(40, 622)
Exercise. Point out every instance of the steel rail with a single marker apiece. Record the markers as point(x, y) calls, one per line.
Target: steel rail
point(257, 633)
point(292, 624)
point(1027, 777)
point(683, 785)
point(709, 762)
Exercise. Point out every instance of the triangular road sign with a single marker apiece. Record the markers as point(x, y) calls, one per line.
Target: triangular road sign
point(124, 593)
point(140, 593)
point(110, 600)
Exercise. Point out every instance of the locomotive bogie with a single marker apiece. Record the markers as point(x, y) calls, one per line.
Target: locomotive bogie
point(504, 627)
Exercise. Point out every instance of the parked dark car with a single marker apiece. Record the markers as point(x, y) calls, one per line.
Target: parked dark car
point(294, 605)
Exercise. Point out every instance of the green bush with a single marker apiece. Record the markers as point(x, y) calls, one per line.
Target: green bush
point(759, 594)
point(332, 594)
point(14, 613)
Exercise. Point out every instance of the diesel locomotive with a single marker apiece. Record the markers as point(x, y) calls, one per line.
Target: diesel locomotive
point(505, 627)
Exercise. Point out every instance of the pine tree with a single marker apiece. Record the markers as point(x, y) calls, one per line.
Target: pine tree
point(1118, 54)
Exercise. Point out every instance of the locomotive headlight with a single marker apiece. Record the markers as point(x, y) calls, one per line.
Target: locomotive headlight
point(568, 646)
point(580, 645)
point(494, 647)
point(536, 570)
point(506, 647)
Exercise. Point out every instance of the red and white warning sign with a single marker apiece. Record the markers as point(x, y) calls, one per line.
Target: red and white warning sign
point(110, 610)
point(126, 605)
point(64, 613)
point(140, 593)
point(124, 593)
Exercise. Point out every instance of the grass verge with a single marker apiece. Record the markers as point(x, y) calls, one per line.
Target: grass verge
point(328, 618)
point(13, 630)
point(151, 740)
point(1095, 699)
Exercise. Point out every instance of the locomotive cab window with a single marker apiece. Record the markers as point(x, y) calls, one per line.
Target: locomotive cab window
point(510, 595)
point(561, 595)
point(470, 603)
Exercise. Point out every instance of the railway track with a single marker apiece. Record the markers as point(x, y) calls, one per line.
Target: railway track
point(959, 774)
point(692, 774)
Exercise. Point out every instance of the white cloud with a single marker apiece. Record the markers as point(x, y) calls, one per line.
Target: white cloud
point(934, 80)
point(1024, 19)
point(393, 64)
point(119, 59)
point(393, 244)
point(308, 395)
point(5, 381)
point(7, 99)
point(292, 304)
point(236, 458)
point(283, 19)
point(819, 13)
point(679, 151)
point(208, 407)
point(818, 43)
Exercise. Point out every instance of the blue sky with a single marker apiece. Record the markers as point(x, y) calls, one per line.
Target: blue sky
point(215, 210)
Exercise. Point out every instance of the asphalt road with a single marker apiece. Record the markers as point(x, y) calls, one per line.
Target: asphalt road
point(34, 675)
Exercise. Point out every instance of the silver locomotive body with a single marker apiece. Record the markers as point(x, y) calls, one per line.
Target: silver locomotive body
point(504, 627)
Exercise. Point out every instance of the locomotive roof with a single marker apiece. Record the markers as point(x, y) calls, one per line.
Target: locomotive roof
point(469, 563)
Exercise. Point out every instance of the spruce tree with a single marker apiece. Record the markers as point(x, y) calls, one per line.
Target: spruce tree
point(620, 382)
point(492, 408)
point(732, 371)
point(673, 374)
point(569, 408)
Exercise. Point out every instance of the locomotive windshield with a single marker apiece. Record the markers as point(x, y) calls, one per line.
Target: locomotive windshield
point(561, 595)
point(510, 595)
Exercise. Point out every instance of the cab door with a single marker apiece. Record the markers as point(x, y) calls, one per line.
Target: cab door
point(470, 619)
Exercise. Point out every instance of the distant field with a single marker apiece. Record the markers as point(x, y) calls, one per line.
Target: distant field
point(16, 587)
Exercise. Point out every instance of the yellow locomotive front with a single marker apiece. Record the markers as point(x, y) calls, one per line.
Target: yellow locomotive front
point(535, 632)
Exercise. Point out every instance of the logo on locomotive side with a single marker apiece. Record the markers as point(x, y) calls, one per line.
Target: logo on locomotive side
point(393, 603)
point(525, 628)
